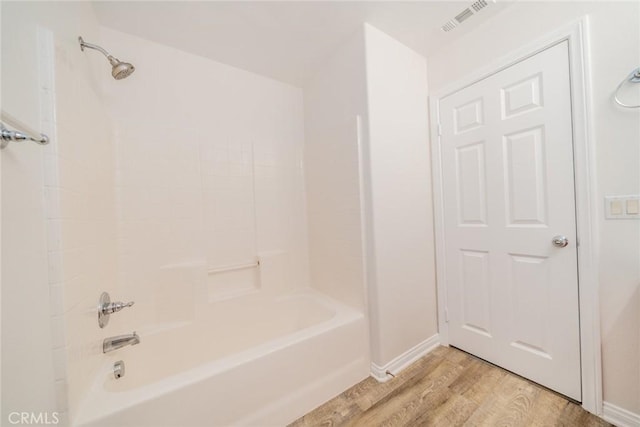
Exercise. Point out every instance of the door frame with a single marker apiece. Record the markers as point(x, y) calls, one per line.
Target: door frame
point(576, 33)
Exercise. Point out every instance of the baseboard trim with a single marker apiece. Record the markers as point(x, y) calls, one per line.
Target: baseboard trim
point(405, 359)
point(619, 417)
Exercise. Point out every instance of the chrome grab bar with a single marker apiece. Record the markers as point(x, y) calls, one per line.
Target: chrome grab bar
point(7, 136)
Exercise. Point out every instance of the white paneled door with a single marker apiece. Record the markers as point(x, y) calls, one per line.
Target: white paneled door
point(509, 212)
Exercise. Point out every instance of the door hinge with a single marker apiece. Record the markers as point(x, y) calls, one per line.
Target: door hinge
point(446, 315)
point(439, 129)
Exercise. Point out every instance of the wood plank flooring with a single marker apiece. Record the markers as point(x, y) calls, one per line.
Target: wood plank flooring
point(446, 388)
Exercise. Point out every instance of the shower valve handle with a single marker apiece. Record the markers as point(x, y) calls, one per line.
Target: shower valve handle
point(114, 307)
point(106, 308)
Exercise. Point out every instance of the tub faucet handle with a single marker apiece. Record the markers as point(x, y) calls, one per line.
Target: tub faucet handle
point(114, 307)
point(106, 308)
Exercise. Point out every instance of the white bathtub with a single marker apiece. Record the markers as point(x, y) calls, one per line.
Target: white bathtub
point(256, 360)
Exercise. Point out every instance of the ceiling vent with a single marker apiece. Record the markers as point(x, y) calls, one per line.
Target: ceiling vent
point(475, 7)
point(449, 26)
point(462, 16)
point(479, 5)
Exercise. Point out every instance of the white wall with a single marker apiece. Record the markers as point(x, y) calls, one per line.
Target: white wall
point(209, 174)
point(400, 221)
point(615, 51)
point(67, 225)
point(334, 99)
point(382, 81)
point(27, 366)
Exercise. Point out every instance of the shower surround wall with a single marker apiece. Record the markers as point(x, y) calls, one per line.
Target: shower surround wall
point(209, 175)
point(57, 200)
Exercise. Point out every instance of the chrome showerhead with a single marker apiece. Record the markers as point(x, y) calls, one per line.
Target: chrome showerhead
point(119, 70)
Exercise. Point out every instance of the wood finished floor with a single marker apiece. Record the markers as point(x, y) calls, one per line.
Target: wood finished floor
point(446, 388)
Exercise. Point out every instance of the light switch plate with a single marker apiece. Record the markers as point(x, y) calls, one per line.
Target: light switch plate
point(622, 207)
point(615, 207)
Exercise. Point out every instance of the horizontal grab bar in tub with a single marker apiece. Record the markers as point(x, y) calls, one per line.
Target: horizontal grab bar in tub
point(233, 267)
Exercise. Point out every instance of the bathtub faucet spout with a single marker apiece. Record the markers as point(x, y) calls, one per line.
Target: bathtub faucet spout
point(114, 343)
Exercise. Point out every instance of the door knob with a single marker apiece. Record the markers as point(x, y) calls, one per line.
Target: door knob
point(560, 241)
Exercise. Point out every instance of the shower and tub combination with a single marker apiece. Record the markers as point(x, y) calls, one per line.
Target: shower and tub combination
point(226, 187)
point(232, 367)
point(261, 187)
point(214, 251)
point(230, 205)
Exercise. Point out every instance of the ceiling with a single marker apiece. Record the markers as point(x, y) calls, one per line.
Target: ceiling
point(285, 40)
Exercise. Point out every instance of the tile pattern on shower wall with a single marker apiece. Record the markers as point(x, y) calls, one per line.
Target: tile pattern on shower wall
point(85, 222)
point(53, 212)
point(229, 215)
point(28, 374)
point(228, 202)
point(334, 209)
point(208, 175)
point(159, 217)
point(79, 203)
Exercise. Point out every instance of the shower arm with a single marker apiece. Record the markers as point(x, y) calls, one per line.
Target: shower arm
point(84, 44)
